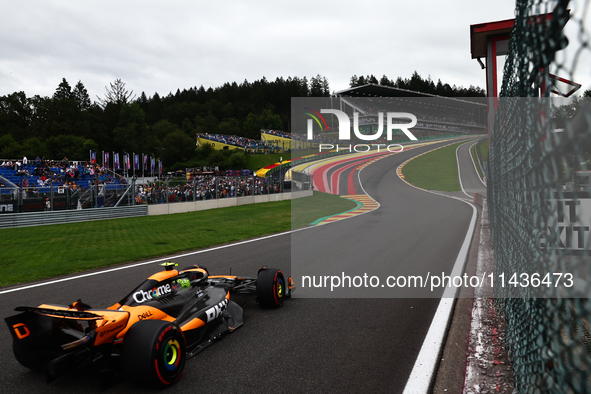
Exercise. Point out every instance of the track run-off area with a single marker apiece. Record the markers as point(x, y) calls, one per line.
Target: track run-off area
point(319, 341)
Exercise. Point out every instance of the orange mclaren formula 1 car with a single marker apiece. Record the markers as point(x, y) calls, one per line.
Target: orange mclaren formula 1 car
point(151, 332)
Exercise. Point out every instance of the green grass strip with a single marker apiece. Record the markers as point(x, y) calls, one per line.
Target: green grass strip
point(484, 151)
point(436, 170)
point(307, 211)
point(34, 253)
point(357, 206)
point(475, 158)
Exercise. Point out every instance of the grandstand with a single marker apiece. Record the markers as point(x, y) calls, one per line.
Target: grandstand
point(227, 142)
point(435, 114)
point(289, 141)
point(68, 185)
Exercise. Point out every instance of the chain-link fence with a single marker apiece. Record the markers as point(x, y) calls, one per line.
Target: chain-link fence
point(540, 206)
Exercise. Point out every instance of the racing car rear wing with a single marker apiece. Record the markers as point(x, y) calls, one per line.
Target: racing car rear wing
point(64, 313)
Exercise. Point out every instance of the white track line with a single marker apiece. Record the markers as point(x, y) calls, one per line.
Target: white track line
point(459, 173)
point(423, 372)
point(473, 162)
point(424, 369)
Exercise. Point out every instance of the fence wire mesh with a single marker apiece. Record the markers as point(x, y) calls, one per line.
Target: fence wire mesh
point(539, 201)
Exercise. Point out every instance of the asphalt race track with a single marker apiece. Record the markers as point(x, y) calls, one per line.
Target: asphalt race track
point(310, 344)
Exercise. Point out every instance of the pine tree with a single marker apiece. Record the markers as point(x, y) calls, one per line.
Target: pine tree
point(116, 94)
point(63, 91)
point(80, 94)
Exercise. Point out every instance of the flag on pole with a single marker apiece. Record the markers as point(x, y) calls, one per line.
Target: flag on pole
point(160, 167)
point(153, 166)
point(145, 162)
point(106, 160)
point(136, 161)
point(127, 163)
point(116, 161)
point(93, 157)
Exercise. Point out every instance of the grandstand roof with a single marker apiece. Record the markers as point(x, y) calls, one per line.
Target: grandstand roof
point(373, 90)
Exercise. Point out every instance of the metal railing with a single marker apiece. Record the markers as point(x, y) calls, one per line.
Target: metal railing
point(57, 198)
point(8, 220)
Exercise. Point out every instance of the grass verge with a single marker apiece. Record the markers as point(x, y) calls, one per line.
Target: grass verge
point(436, 170)
point(475, 158)
point(484, 150)
point(34, 253)
point(306, 210)
point(257, 161)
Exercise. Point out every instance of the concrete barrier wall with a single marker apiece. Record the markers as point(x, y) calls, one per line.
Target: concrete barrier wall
point(479, 199)
point(192, 206)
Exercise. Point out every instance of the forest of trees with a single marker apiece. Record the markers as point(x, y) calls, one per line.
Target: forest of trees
point(71, 123)
point(417, 84)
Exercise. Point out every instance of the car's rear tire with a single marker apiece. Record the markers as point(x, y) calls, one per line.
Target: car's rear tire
point(154, 352)
point(271, 288)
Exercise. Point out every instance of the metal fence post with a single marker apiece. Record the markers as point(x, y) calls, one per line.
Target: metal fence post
point(18, 199)
point(167, 191)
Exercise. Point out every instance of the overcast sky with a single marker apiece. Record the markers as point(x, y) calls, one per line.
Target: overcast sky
point(160, 46)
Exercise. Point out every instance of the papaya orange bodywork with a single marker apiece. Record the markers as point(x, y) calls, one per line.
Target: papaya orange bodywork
point(193, 324)
point(138, 313)
point(163, 275)
point(113, 323)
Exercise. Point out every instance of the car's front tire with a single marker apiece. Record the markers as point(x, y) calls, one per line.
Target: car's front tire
point(271, 288)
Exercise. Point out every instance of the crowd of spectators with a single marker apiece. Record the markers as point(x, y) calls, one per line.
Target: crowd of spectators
point(252, 146)
point(270, 145)
point(41, 176)
point(205, 187)
point(279, 133)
